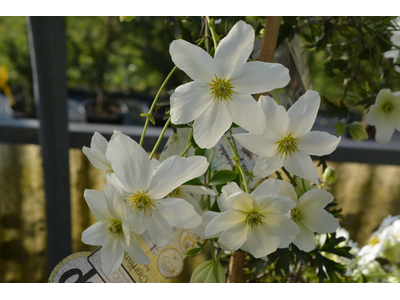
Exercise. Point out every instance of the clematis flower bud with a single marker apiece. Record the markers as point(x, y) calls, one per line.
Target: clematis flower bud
point(330, 175)
point(340, 128)
point(358, 131)
point(204, 273)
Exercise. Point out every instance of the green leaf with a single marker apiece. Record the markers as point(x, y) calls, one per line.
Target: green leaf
point(222, 177)
point(194, 145)
point(193, 251)
point(194, 181)
point(150, 116)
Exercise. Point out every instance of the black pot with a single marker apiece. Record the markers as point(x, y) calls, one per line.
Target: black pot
point(112, 114)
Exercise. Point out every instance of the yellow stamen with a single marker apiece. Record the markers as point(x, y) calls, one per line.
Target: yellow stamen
point(140, 201)
point(114, 227)
point(221, 89)
point(296, 215)
point(286, 146)
point(388, 107)
point(254, 218)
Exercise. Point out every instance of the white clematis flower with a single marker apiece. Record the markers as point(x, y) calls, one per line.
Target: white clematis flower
point(221, 91)
point(97, 152)
point(309, 215)
point(113, 231)
point(253, 222)
point(395, 39)
point(385, 115)
point(144, 188)
point(287, 141)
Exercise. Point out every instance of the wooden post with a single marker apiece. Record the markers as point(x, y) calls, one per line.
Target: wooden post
point(267, 53)
point(47, 49)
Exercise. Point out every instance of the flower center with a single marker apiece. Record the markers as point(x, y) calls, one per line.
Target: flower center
point(221, 89)
point(176, 193)
point(286, 146)
point(140, 201)
point(388, 107)
point(296, 215)
point(374, 241)
point(114, 227)
point(254, 218)
point(109, 171)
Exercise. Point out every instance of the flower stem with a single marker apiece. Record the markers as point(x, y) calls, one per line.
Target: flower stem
point(236, 159)
point(189, 144)
point(153, 105)
point(215, 265)
point(160, 138)
point(213, 34)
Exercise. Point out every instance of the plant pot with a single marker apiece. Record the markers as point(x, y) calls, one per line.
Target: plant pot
point(111, 113)
point(18, 110)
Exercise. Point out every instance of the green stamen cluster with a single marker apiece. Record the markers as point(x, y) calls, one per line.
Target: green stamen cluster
point(140, 201)
point(296, 215)
point(388, 107)
point(221, 89)
point(286, 146)
point(176, 193)
point(254, 218)
point(114, 227)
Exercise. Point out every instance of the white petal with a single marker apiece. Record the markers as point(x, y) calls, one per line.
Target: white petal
point(115, 203)
point(111, 178)
point(280, 225)
point(305, 240)
point(189, 101)
point(300, 164)
point(130, 163)
point(383, 96)
point(227, 191)
point(277, 205)
point(318, 143)
point(212, 124)
point(287, 190)
point(234, 50)
point(175, 171)
point(192, 201)
point(319, 220)
point(314, 198)
point(206, 218)
point(97, 204)
point(179, 213)
point(197, 189)
point(111, 255)
point(193, 60)
point(384, 132)
point(277, 118)
point(259, 77)
point(95, 235)
point(261, 242)
point(137, 222)
point(267, 187)
point(154, 163)
point(241, 201)
point(286, 240)
point(375, 115)
point(97, 159)
point(159, 229)
point(225, 221)
point(246, 113)
point(302, 114)
point(99, 143)
point(234, 237)
point(265, 166)
point(258, 143)
point(135, 251)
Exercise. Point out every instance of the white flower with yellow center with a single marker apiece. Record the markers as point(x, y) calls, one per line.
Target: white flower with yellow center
point(221, 91)
point(144, 186)
point(309, 215)
point(253, 222)
point(113, 231)
point(97, 152)
point(287, 141)
point(385, 115)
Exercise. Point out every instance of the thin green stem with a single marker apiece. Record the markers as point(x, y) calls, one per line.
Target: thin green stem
point(215, 265)
point(153, 105)
point(160, 138)
point(188, 144)
point(213, 34)
point(236, 159)
point(234, 142)
point(276, 97)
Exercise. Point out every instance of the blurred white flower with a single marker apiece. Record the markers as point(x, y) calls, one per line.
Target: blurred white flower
point(309, 215)
point(254, 222)
point(287, 141)
point(385, 115)
point(113, 231)
point(143, 187)
point(221, 92)
point(97, 152)
point(395, 39)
